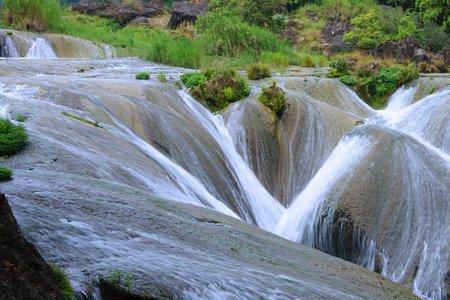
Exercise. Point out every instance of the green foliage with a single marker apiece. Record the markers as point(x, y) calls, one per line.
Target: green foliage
point(5, 174)
point(13, 138)
point(258, 71)
point(219, 89)
point(37, 15)
point(191, 80)
point(162, 77)
point(259, 12)
point(121, 280)
point(349, 80)
point(81, 119)
point(378, 87)
point(435, 11)
point(377, 26)
point(340, 66)
point(435, 37)
point(229, 36)
point(63, 282)
point(21, 118)
point(142, 76)
point(274, 98)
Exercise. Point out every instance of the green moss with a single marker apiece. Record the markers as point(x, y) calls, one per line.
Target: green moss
point(13, 138)
point(81, 119)
point(142, 76)
point(63, 282)
point(162, 77)
point(258, 71)
point(5, 174)
point(274, 98)
point(21, 118)
point(120, 280)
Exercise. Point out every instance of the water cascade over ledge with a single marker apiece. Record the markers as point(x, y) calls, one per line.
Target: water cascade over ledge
point(376, 194)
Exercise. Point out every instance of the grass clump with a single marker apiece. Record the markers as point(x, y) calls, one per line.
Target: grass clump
point(5, 174)
point(13, 138)
point(21, 118)
point(81, 119)
point(142, 76)
point(36, 15)
point(162, 77)
point(191, 80)
point(258, 71)
point(217, 88)
point(349, 80)
point(274, 98)
point(63, 282)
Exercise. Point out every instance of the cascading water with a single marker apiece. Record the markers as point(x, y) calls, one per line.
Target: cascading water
point(41, 49)
point(8, 47)
point(158, 140)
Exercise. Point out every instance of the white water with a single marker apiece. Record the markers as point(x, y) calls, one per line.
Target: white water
point(401, 98)
point(11, 48)
point(265, 208)
point(298, 221)
point(41, 49)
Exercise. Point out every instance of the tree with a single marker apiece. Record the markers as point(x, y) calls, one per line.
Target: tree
point(436, 11)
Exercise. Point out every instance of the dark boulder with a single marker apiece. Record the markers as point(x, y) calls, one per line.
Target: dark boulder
point(421, 55)
point(333, 36)
point(186, 12)
point(120, 11)
point(401, 50)
point(23, 272)
point(140, 21)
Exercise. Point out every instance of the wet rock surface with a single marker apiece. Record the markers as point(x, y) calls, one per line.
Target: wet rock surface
point(23, 272)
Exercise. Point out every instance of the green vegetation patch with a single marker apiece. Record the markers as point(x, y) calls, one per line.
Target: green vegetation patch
point(21, 118)
point(5, 174)
point(81, 119)
point(162, 77)
point(274, 98)
point(63, 282)
point(216, 89)
point(142, 76)
point(36, 15)
point(13, 138)
point(258, 71)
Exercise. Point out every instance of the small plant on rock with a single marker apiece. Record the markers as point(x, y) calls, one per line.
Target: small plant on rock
point(13, 138)
point(162, 77)
point(258, 71)
point(5, 174)
point(274, 98)
point(191, 80)
point(63, 282)
point(142, 76)
point(21, 118)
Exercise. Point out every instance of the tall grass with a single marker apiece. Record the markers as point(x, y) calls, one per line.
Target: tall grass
point(39, 15)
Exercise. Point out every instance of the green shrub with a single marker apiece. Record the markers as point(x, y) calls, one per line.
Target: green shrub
point(258, 71)
point(142, 76)
point(63, 282)
point(349, 80)
point(36, 15)
point(13, 138)
point(274, 98)
point(21, 118)
point(120, 280)
point(5, 174)
point(435, 37)
point(220, 89)
point(191, 80)
point(162, 77)
point(339, 68)
point(229, 36)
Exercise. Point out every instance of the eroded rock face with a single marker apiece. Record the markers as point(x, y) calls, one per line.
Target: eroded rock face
point(121, 11)
point(23, 272)
point(186, 12)
point(401, 50)
point(333, 35)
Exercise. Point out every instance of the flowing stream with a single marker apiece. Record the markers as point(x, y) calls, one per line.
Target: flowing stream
point(376, 194)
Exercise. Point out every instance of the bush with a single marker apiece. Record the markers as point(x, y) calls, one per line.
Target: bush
point(142, 76)
point(162, 77)
point(220, 89)
point(191, 80)
point(36, 15)
point(13, 138)
point(435, 37)
point(63, 282)
point(258, 71)
point(274, 98)
point(5, 174)
point(339, 68)
point(349, 80)
point(229, 36)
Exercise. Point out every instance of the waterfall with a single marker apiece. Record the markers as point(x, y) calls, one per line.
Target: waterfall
point(41, 49)
point(8, 47)
point(265, 208)
point(401, 98)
